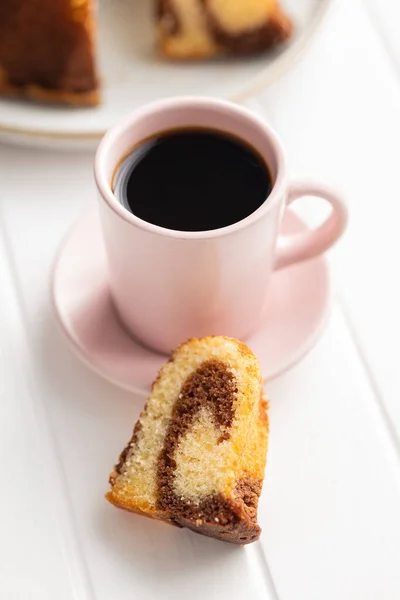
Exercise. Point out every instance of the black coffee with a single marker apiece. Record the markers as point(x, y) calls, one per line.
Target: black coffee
point(193, 180)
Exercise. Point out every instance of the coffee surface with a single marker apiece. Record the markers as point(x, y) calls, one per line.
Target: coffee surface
point(193, 180)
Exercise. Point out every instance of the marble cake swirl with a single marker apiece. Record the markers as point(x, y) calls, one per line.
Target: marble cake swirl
point(189, 29)
point(197, 455)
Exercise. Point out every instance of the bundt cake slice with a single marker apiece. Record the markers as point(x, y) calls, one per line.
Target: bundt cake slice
point(190, 29)
point(198, 451)
point(47, 50)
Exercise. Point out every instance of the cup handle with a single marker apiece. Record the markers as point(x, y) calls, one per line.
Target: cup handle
point(299, 247)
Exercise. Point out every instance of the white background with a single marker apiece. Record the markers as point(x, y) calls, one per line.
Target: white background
point(330, 509)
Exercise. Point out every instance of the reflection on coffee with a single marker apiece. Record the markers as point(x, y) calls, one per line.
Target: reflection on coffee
point(192, 179)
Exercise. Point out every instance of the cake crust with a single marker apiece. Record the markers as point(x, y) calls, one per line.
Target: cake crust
point(47, 51)
point(209, 463)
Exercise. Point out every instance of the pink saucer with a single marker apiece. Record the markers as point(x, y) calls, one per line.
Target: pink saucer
point(296, 310)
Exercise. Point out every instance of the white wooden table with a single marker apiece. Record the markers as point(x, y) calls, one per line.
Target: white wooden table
point(330, 509)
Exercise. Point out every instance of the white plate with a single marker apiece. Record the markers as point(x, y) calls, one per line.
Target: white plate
point(133, 74)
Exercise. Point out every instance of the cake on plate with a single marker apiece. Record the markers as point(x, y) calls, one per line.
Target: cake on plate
point(198, 451)
point(190, 29)
point(47, 49)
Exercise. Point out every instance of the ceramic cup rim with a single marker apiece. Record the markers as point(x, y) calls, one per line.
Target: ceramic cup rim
point(179, 103)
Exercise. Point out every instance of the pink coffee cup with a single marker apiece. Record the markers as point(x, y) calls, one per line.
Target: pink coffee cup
point(171, 285)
